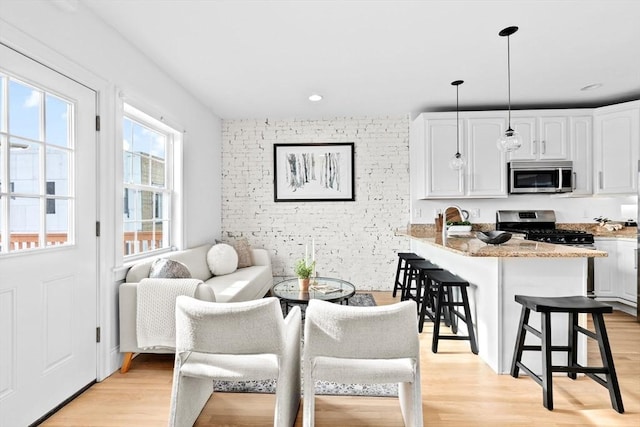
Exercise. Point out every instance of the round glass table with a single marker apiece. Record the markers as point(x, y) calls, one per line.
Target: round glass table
point(324, 288)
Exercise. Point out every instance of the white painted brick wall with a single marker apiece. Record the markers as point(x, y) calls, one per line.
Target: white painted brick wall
point(354, 241)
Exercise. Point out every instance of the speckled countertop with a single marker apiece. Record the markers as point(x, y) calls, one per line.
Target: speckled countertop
point(469, 245)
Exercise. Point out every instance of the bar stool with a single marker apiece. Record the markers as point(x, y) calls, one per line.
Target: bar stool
point(417, 269)
point(571, 305)
point(403, 257)
point(441, 283)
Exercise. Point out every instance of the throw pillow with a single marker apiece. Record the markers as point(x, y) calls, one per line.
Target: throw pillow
point(222, 259)
point(243, 249)
point(168, 269)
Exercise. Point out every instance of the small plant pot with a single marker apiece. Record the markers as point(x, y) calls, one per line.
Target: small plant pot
point(304, 284)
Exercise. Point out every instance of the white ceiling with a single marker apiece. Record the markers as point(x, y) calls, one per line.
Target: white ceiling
point(262, 59)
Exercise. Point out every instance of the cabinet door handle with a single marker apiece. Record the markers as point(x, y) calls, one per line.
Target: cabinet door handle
point(544, 147)
point(535, 150)
point(635, 259)
point(600, 180)
point(575, 178)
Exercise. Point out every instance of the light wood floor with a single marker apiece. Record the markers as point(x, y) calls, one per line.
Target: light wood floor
point(458, 389)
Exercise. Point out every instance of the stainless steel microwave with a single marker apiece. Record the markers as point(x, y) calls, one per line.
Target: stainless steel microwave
point(541, 177)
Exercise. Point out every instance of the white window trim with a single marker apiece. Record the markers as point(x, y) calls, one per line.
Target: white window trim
point(125, 106)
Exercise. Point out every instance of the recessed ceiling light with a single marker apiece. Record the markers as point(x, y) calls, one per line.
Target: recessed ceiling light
point(315, 97)
point(592, 86)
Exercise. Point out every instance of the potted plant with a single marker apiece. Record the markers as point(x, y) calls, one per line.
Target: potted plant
point(304, 272)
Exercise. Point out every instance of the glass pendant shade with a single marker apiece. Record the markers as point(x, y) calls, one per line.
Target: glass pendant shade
point(509, 141)
point(457, 162)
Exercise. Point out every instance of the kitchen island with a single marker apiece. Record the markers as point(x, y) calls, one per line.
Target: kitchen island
point(496, 274)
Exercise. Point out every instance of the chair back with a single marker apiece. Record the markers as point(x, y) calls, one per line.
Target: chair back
point(384, 332)
point(248, 327)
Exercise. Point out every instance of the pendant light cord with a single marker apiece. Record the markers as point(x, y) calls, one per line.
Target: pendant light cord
point(457, 124)
point(509, 76)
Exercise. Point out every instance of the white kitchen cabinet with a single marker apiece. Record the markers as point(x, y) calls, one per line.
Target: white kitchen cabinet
point(628, 269)
point(581, 148)
point(615, 277)
point(616, 141)
point(605, 270)
point(544, 136)
point(486, 172)
point(433, 145)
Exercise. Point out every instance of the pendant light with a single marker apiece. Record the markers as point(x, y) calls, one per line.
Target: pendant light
point(457, 162)
point(510, 140)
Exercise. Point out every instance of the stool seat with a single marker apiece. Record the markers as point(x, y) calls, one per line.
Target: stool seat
point(408, 255)
point(423, 264)
point(403, 267)
point(445, 276)
point(573, 304)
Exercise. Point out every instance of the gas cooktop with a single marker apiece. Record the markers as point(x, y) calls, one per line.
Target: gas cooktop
point(539, 225)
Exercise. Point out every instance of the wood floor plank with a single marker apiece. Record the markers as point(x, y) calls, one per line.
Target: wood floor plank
point(459, 389)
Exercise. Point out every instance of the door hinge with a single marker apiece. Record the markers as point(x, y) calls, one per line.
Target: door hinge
point(97, 228)
point(98, 334)
point(97, 123)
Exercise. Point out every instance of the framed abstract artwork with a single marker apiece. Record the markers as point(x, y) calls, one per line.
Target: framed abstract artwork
point(321, 172)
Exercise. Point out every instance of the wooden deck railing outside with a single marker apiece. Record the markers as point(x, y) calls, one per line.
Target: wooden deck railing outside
point(144, 242)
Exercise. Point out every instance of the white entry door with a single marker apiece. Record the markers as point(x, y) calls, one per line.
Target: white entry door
point(48, 244)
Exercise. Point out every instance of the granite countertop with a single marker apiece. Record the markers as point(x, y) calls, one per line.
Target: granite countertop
point(469, 245)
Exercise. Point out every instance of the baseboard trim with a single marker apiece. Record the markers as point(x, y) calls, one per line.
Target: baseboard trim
point(61, 405)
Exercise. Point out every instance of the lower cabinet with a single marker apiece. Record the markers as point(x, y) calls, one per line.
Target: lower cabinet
point(628, 270)
point(615, 277)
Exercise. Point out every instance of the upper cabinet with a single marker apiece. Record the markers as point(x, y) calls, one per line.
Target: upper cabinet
point(544, 136)
point(603, 143)
point(581, 149)
point(616, 141)
point(433, 145)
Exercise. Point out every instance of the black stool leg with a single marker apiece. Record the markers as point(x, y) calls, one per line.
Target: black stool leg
point(517, 352)
point(607, 362)
point(436, 321)
point(424, 301)
point(396, 284)
point(468, 320)
point(572, 355)
point(547, 384)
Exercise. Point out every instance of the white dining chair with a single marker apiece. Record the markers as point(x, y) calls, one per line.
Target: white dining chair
point(363, 345)
point(239, 341)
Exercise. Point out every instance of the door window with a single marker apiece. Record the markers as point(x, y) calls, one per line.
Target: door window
point(36, 160)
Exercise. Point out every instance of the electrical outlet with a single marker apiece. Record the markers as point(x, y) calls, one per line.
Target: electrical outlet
point(475, 213)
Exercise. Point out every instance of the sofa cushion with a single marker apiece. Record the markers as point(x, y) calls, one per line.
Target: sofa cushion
point(168, 269)
point(243, 250)
point(243, 284)
point(222, 259)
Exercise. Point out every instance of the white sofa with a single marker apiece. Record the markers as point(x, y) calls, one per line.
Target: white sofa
point(244, 284)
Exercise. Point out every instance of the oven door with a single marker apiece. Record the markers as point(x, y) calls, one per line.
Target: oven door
point(540, 180)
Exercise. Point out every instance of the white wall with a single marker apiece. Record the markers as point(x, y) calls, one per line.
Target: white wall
point(354, 240)
point(80, 45)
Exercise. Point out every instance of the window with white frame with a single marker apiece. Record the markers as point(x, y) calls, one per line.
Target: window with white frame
point(149, 149)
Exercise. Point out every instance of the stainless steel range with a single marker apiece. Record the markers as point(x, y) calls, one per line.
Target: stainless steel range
point(540, 225)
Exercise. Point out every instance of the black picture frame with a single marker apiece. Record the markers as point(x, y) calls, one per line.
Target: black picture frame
point(318, 172)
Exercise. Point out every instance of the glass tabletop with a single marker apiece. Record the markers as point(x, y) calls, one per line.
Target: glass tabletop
point(324, 288)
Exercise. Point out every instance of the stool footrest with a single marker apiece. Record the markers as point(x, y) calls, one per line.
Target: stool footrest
point(530, 373)
point(586, 332)
point(539, 348)
point(453, 337)
point(533, 330)
point(579, 369)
